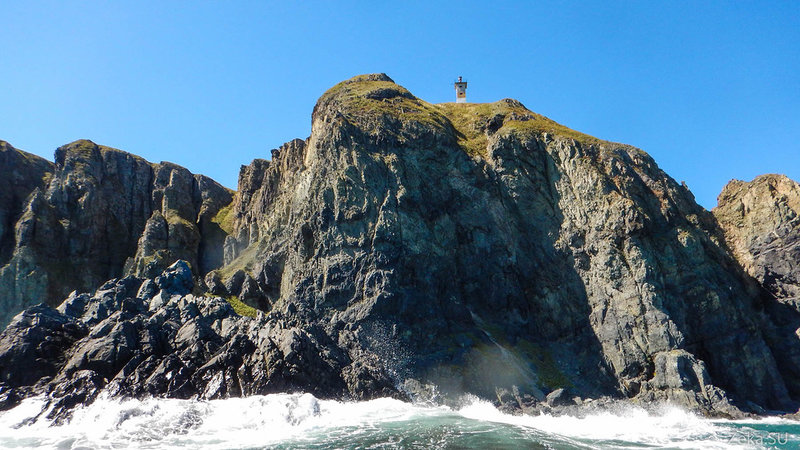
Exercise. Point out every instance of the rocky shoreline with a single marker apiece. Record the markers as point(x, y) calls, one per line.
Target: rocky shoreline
point(153, 337)
point(404, 249)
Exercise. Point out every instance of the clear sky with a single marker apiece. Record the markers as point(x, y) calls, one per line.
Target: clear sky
point(710, 89)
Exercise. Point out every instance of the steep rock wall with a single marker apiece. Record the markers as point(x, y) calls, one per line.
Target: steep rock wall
point(22, 174)
point(452, 239)
point(761, 220)
point(105, 213)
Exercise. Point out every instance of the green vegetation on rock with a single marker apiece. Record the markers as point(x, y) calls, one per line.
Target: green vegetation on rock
point(242, 308)
point(224, 218)
point(472, 120)
point(366, 97)
point(244, 261)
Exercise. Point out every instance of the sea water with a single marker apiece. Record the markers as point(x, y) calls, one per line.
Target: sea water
point(302, 421)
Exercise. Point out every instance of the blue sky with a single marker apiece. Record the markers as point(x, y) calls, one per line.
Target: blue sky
point(710, 89)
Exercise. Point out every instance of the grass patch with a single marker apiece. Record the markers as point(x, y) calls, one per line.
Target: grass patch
point(173, 218)
point(241, 308)
point(371, 100)
point(244, 261)
point(472, 119)
point(81, 153)
point(224, 218)
point(366, 97)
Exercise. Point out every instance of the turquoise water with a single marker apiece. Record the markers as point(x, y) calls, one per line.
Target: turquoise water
point(287, 421)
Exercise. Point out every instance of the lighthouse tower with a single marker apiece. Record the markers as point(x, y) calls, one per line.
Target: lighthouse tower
point(461, 91)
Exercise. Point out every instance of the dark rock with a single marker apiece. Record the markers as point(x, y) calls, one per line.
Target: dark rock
point(234, 283)
point(214, 284)
point(494, 124)
point(107, 349)
point(506, 400)
point(79, 389)
point(559, 397)
point(585, 245)
point(74, 305)
point(184, 347)
point(34, 345)
point(681, 379)
point(177, 279)
point(23, 173)
point(148, 289)
point(9, 397)
point(24, 177)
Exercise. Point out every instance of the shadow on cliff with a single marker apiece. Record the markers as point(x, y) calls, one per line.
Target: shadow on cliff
point(487, 300)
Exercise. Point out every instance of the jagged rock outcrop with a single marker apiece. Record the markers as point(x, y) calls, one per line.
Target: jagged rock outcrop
point(476, 248)
point(501, 249)
point(150, 337)
point(104, 213)
point(762, 228)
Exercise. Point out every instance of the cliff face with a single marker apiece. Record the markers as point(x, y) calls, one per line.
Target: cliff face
point(22, 174)
point(101, 214)
point(762, 228)
point(487, 236)
point(476, 248)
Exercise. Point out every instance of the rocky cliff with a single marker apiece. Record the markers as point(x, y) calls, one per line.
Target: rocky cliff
point(417, 250)
point(22, 173)
point(762, 227)
point(99, 213)
point(477, 236)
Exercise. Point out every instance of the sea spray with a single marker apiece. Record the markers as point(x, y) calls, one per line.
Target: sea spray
point(301, 420)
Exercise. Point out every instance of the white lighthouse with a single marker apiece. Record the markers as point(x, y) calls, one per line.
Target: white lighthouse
point(461, 91)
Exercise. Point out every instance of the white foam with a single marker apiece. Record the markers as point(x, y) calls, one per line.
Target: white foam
point(668, 427)
point(298, 419)
point(169, 423)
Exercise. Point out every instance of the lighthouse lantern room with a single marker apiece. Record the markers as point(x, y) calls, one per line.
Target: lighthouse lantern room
point(461, 91)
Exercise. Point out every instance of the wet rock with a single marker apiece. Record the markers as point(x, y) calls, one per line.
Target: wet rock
point(679, 378)
point(186, 346)
point(34, 345)
point(507, 401)
point(79, 389)
point(559, 397)
point(8, 397)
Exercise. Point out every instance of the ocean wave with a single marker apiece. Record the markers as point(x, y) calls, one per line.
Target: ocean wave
point(301, 420)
